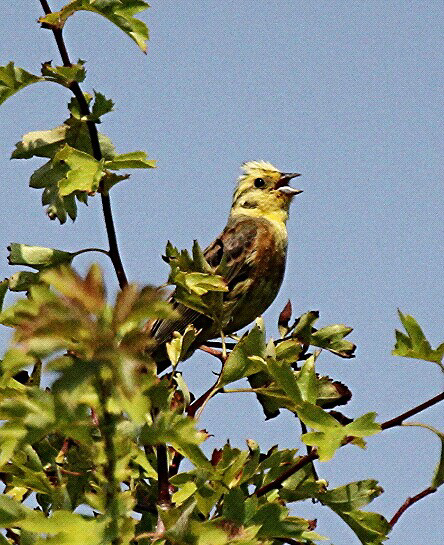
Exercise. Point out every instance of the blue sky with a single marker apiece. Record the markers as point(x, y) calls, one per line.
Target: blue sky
point(348, 93)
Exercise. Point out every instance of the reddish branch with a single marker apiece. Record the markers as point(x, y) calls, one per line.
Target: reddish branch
point(397, 421)
point(97, 153)
point(410, 501)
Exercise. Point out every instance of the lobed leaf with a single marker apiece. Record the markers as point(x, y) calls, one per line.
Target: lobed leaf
point(332, 338)
point(414, 344)
point(239, 363)
point(119, 12)
point(37, 257)
point(64, 75)
point(13, 79)
point(134, 159)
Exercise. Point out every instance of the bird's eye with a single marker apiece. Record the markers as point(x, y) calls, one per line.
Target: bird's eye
point(259, 182)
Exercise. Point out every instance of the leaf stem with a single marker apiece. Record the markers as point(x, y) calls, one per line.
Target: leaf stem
point(84, 250)
point(97, 153)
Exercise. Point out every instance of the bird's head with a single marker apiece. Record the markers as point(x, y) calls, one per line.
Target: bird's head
point(263, 190)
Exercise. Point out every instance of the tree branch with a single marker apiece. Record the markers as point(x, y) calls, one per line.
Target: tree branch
point(397, 421)
point(97, 153)
point(409, 502)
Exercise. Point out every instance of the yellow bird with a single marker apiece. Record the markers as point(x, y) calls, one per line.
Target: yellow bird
point(254, 248)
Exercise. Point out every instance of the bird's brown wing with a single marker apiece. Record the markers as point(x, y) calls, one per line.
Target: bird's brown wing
point(229, 249)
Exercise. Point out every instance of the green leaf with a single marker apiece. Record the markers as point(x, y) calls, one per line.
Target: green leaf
point(134, 159)
point(134, 306)
point(180, 431)
point(10, 511)
point(4, 284)
point(12, 79)
point(304, 326)
point(119, 12)
point(414, 344)
point(84, 172)
point(351, 496)
point(370, 528)
point(306, 381)
point(177, 348)
point(23, 280)
point(285, 378)
point(239, 363)
point(40, 143)
point(288, 351)
point(234, 506)
point(330, 433)
point(101, 106)
point(332, 338)
point(37, 257)
point(64, 75)
point(274, 522)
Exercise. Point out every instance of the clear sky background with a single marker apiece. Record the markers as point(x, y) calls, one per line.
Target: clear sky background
point(349, 93)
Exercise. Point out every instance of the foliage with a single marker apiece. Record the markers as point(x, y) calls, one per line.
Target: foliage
point(107, 438)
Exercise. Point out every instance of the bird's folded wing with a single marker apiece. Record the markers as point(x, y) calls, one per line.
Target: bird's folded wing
point(233, 253)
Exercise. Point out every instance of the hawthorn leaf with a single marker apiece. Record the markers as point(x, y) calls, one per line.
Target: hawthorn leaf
point(40, 143)
point(64, 75)
point(352, 495)
point(307, 382)
point(304, 326)
point(119, 12)
point(134, 159)
point(4, 284)
point(89, 292)
point(83, 174)
point(332, 338)
point(178, 347)
point(239, 363)
point(37, 257)
point(101, 106)
point(370, 528)
point(13, 79)
point(414, 344)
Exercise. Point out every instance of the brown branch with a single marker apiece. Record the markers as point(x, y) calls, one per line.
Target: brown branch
point(97, 153)
point(276, 483)
point(409, 502)
point(398, 420)
point(197, 404)
point(216, 353)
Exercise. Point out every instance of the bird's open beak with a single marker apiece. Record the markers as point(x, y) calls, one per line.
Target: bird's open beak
point(283, 186)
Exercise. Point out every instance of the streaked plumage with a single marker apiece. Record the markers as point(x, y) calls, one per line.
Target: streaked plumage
point(254, 245)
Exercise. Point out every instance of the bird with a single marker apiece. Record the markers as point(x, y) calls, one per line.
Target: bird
point(253, 248)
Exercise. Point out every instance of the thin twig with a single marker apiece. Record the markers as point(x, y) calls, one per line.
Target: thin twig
point(201, 401)
point(276, 483)
point(409, 502)
point(398, 420)
point(97, 153)
point(216, 353)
